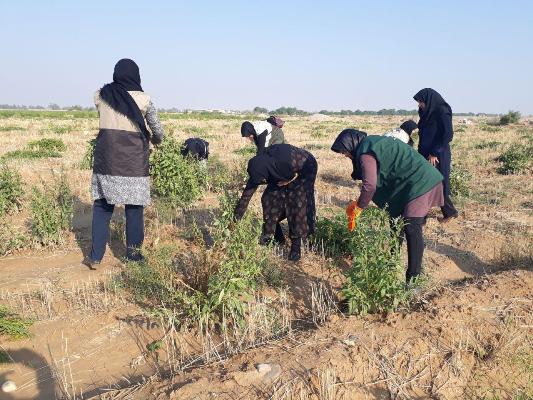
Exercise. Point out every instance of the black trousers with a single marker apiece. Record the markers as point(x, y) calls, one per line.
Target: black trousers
point(448, 209)
point(102, 213)
point(415, 245)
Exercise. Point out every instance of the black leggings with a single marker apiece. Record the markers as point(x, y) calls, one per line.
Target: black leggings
point(415, 245)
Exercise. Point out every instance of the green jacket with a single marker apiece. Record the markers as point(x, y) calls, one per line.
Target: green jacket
point(403, 174)
point(277, 136)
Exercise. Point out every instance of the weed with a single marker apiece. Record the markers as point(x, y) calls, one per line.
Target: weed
point(51, 211)
point(459, 182)
point(195, 130)
point(12, 325)
point(489, 128)
point(314, 146)
point(512, 117)
point(516, 159)
point(5, 358)
point(374, 282)
point(246, 151)
point(88, 158)
point(11, 128)
point(10, 239)
point(487, 145)
point(181, 180)
point(11, 191)
point(42, 148)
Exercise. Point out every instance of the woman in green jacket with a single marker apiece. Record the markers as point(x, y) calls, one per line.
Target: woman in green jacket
point(395, 176)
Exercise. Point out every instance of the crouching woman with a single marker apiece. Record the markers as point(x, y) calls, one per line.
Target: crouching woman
point(292, 171)
point(393, 175)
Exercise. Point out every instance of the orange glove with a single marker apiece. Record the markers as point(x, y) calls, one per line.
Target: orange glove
point(352, 212)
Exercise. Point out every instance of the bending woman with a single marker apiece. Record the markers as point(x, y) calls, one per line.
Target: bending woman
point(120, 171)
point(393, 175)
point(435, 134)
point(291, 172)
point(264, 133)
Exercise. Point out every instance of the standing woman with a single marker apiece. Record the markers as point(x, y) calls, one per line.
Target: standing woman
point(264, 133)
point(394, 175)
point(121, 153)
point(435, 134)
point(291, 168)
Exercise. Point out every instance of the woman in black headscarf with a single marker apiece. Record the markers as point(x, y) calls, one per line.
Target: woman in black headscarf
point(121, 153)
point(294, 170)
point(197, 148)
point(264, 133)
point(435, 134)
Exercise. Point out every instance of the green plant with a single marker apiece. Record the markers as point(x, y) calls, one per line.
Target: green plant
point(246, 151)
point(489, 128)
point(492, 144)
point(11, 128)
point(11, 191)
point(512, 117)
point(10, 239)
point(375, 280)
point(516, 159)
point(51, 211)
point(12, 325)
point(88, 158)
point(181, 180)
point(4, 357)
point(459, 182)
point(42, 148)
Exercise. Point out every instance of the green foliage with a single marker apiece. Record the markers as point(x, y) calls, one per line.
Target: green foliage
point(223, 177)
point(51, 211)
point(459, 182)
point(180, 180)
point(11, 128)
point(314, 146)
point(10, 239)
point(260, 110)
point(489, 128)
point(516, 159)
point(88, 158)
point(246, 151)
point(12, 325)
point(375, 282)
point(42, 148)
point(11, 191)
point(288, 111)
point(31, 114)
point(512, 117)
point(195, 130)
point(492, 144)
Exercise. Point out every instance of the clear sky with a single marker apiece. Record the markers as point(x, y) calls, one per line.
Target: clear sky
point(239, 54)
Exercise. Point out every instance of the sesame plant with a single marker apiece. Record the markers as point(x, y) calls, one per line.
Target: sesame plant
point(11, 190)
point(88, 158)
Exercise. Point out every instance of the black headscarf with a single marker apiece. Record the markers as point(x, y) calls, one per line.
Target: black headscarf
point(247, 129)
point(271, 166)
point(125, 77)
point(408, 126)
point(348, 141)
point(433, 101)
point(195, 147)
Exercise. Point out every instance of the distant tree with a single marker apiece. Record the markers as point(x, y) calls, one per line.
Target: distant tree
point(512, 117)
point(260, 110)
point(54, 106)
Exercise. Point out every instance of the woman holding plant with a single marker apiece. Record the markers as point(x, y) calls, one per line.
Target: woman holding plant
point(290, 172)
point(395, 176)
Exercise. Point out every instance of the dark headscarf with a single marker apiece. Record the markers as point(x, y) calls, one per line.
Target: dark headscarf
point(195, 147)
point(348, 141)
point(276, 121)
point(409, 126)
point(272, 165)
point(125, 77)
point(247, 129)
point(433, 101)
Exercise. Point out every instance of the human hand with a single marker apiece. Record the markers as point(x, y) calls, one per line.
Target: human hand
point(285, 183)
point(433, 160)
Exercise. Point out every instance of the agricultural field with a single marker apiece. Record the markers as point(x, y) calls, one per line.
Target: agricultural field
point(211, 314)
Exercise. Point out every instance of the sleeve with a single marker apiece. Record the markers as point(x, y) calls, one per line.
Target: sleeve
point(155, 125)
point(369, 173)
point(446, 128)
point(243, 202)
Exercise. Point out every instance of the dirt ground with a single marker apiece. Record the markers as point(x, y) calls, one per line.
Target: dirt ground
point(468, 335)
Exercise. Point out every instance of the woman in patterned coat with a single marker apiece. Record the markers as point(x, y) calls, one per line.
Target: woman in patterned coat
point(120, 171)
point(294, 170)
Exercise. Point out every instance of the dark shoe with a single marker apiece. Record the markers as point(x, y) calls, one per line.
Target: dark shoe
point(296, 250)
point(445, 220)
point(92, 264)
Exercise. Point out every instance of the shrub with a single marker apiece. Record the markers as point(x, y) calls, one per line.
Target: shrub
point(246, 151)
point(12, 325)
point(11, 191)
point(487, 145)
point(42, 148)
point(51, 212)
point(459, 182)
point(516, 159)
point(88, 158)
point(512, 117)
point(181, 180)
point(10, 239)
point(375, 282)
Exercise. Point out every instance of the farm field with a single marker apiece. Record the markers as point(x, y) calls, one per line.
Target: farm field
point(126, 332)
